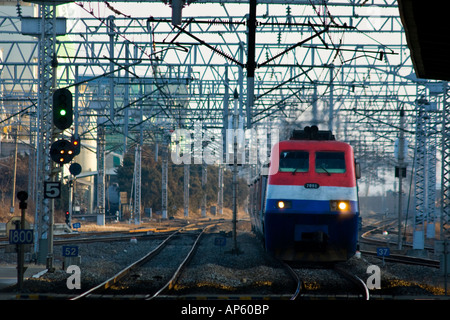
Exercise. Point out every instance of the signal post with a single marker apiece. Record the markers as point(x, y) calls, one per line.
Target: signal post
point(21, 236)
point(62, 151)
point(59, 153)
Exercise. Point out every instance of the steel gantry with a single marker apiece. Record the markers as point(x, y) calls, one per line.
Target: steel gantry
point(343, 65)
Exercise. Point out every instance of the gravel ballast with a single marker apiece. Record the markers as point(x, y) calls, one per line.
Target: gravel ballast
point(216, 269)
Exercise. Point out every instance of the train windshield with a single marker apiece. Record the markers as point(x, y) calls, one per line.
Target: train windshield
point(330, 162)
point(294, 161)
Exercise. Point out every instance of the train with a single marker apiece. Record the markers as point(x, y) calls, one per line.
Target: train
point(305, 206)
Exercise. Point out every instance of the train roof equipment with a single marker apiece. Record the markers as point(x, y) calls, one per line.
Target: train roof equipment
point(312, 133)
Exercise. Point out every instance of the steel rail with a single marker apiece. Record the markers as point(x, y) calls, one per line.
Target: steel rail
point(109, 282)
point(361, 285)
point(296, 278)
point(171, 283)
point(407, 259)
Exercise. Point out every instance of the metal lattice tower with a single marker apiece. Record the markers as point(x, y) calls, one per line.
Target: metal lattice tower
point(204, 190)
point(435, 100)
point(137, 184)
point(220, 192)
point(164, 179)
point(46, 77)
point(186, 189)
point(425, 161)
point(431, 181)
point(101, 205)
point(445, 182)
point(420, 177)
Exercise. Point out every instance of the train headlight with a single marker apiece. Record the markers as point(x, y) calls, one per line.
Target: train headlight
point(340, 205)
point(284, 204)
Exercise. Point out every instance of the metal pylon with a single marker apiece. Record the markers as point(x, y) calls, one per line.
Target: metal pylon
point(186, 189)
point(420, 178)
point(164, 178)
point(445, 180)
point(43, 163)
point(137, 184)
point(204, 181)
point(220, 193)
point(100, 172)
point(431, 168)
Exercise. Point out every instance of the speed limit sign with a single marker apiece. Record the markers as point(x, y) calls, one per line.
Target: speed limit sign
point(52, 189)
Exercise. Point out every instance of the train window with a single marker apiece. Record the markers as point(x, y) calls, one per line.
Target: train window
point(330, 162)
point(294, 161)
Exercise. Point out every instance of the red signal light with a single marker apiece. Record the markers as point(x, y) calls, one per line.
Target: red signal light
point(75, 145)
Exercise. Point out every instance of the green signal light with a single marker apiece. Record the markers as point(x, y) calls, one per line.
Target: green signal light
point(62, 109)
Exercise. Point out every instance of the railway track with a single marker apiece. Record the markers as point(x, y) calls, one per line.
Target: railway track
point(296, 278)
point(407, 259)
point(104, 236)
point(371, 241)
point(330, 283)
point(109, 288)
point(359, 284)
point(213, 273)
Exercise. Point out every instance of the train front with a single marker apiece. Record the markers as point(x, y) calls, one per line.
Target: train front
point(311, 211)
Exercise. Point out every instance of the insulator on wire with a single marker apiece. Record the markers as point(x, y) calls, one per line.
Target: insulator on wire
point(19, 9)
